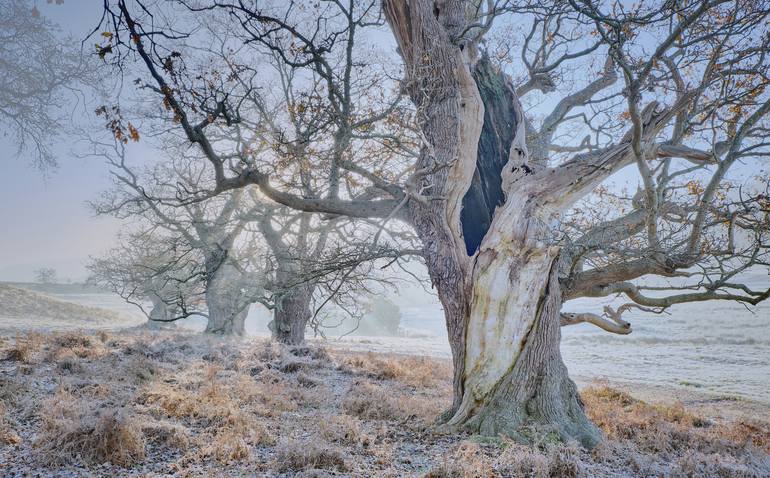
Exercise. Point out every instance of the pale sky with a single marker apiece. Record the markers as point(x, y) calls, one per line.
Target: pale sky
point(44, 220)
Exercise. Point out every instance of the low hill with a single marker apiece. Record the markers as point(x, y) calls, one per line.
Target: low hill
point(20, 307)
point(74, 288)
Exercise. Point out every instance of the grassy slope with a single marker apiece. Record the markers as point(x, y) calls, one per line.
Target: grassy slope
point(21, 303)
point(135, 404)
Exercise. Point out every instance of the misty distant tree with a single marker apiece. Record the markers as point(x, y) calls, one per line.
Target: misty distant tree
point(321, 270)
point(41, 70)
point(235, 248)
point(382, 317)
point(293, 247)
point(676, 89)
point(45, 275)
point(146, 266)
point(208, 232)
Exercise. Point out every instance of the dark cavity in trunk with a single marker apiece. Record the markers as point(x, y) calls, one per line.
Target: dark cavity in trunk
point(500, 123)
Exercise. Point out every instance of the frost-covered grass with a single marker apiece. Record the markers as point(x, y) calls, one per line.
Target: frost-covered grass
point(136, 404)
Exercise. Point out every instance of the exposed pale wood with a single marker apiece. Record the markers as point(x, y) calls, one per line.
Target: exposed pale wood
point(615, 326)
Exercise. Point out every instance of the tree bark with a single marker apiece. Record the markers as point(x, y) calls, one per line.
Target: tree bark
point(492, 265)
point(223, 320)
point(159, 314)
point(291, 316)
point(292, 310)
point(227, 310)
point(450, 112)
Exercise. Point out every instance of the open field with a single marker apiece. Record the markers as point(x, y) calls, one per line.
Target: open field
point(173, 404)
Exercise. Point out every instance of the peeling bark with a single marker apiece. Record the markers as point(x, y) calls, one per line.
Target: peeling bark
point(451, 112)
point(534, 395)
point(491, 264)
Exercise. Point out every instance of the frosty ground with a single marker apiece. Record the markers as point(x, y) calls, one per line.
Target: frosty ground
point(135, 403)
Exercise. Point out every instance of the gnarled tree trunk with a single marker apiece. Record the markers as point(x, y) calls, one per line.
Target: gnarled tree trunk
point(159, 315)
point(291, 315)
point(225, 320)
point(292, 309)
point(514, 380)
point(226, 307)
point(492, 264)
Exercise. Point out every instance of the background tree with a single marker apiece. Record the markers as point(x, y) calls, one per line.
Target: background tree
point(147, 266)
point(42, 71)
point(45, 275)
point(382, 317)
point(312, 142)
point(208, 232)
point(307, 137)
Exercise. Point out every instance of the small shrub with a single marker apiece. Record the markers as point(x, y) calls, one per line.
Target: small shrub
point(7, 435)
point(24, 348)
point(70, 365)
point(373, 402)
point(467, 461)
point(270, 351)
point(167, 434)
point(216, 404)
point(292, 366)
point(672, 430)
point(746, 431)
point(228, 446)
point(73, 340)
point(143, 370)
point(369, 401)
point(694, 463)
point(655, 428)
point(10, 390)
point(306, 381)
point(554, 461)
point(74, 345)
point(413, 371)
point(317, 397)
point(315, 352)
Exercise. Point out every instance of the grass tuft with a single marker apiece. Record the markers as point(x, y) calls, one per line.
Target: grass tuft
point(70, 433)
point(295, 455)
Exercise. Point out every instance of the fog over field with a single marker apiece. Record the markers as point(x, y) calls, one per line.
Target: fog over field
point(435, 238)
